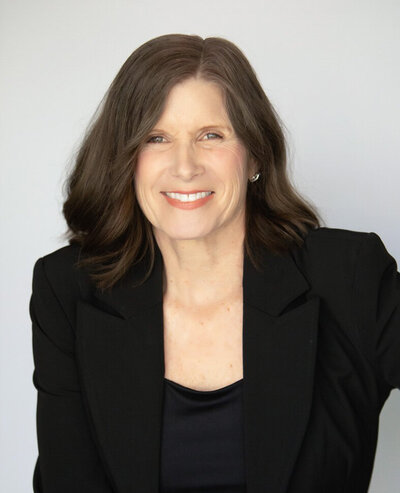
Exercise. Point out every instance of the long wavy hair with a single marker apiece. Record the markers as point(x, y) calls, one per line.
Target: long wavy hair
point(101, 209)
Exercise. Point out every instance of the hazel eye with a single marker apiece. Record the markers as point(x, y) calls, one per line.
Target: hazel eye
point(213, 133)
point(152, 139)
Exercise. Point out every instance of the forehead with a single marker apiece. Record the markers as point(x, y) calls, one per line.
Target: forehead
point(192, 101)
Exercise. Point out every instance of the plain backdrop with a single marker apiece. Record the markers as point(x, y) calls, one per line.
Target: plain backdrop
point(330, 68)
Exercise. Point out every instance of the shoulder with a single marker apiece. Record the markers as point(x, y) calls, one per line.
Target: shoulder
point(343, 246)
point(327, 240)
point(334, 258)
point(62, 259)
point(58, 281)
point(59, 266)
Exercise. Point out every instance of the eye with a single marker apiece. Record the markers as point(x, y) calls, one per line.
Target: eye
point(213, 133)
point(153, 139)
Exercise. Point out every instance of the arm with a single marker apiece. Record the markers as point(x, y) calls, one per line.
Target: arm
point(68, 460)
point(377, 307)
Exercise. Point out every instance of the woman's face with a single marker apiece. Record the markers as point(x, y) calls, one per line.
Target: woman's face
point(193, 148)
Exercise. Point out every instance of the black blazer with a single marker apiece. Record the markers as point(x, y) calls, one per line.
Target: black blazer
point(321, 353)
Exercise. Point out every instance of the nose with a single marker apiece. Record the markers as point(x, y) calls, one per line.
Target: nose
point(185, 161)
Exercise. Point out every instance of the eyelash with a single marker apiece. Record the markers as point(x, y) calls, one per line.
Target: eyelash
point(155, 136)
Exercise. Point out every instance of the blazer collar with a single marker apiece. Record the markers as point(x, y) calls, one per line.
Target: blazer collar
point(270, 289)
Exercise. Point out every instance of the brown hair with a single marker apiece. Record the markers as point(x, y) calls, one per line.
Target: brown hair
point(101, 209)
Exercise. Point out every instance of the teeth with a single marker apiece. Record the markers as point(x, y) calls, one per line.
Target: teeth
point(184, 197)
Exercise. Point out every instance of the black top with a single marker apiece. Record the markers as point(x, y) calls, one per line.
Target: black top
point(202, 440)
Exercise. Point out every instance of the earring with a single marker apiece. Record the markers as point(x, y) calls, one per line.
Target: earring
point(255, 177)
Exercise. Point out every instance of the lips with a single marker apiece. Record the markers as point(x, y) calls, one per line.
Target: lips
point(188, 204)
point(187, 192)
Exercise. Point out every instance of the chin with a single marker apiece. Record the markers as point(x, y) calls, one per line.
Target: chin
point(186, 233)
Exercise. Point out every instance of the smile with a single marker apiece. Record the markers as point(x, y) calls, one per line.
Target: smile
point(188, 201)
point(184, 197)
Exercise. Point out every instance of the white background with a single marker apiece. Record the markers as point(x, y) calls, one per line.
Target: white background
point(330, 68)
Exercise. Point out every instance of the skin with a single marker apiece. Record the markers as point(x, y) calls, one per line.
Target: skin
point(193, 147)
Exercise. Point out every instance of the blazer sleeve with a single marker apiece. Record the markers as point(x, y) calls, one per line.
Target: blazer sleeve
point(377, 307)
point(67, 459)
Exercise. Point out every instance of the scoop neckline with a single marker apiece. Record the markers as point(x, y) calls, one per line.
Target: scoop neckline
point(213, 391)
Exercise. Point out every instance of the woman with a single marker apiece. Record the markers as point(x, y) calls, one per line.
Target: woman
point(202, 331)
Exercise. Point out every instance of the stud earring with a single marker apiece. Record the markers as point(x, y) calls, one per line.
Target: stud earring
point(255, 177)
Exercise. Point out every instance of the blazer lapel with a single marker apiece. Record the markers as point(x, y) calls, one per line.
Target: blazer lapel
point(279, 348)
point(121, 357)
point(120, 354)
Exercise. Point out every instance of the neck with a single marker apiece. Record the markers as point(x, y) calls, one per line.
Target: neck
point(202, 272)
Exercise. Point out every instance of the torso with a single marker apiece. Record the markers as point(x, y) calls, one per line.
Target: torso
point(203, 347)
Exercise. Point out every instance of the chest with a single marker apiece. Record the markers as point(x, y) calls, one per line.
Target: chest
point(203, 346)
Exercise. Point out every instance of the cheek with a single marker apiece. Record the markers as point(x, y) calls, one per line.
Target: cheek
point(231, 161)
point(140, 181)
point(143, 175)
point(139, 168)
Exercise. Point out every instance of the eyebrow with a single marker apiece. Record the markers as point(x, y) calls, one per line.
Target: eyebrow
point(222, 127)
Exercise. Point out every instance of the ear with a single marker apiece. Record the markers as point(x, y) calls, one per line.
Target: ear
point(252, 166)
